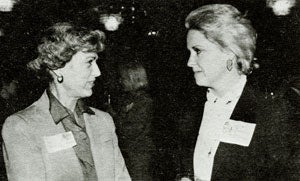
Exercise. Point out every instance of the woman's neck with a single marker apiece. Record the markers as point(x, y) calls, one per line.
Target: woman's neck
point(226, 85)
point(61, 94)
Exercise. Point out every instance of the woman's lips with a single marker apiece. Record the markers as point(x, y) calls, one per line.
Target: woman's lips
point(197, 71)
point(91, 83)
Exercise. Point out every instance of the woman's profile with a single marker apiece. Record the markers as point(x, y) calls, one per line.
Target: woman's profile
point(58, 137)
point(244, 135)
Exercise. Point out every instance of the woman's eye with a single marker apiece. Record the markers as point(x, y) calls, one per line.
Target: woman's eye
point(198, 51)
point(90, 61)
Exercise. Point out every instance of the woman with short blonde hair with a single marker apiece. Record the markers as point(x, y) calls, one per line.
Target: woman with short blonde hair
point(244, 134)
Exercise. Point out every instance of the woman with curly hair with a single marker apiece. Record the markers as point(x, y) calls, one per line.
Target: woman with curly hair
point(58, 137)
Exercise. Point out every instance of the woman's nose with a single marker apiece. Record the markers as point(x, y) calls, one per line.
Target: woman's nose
point(191, 61)
point(96, 70)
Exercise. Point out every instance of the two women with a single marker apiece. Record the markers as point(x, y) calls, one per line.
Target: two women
point(243, 135)
point(58, 137)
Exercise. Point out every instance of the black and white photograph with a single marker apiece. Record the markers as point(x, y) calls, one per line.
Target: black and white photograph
point(150, 90)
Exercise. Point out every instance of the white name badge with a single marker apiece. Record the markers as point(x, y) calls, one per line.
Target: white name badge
point(237, 132)
point(59, 142)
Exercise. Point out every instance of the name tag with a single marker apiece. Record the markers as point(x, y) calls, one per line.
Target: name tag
point(59, 142)
point(237, 132)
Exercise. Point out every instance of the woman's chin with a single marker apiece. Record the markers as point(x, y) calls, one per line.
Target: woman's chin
point(200, 79)
point(90, 93)
point(201, 82)
point(86, 93)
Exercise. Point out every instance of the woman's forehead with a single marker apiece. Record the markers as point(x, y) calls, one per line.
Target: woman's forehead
point(85, 55)
point(197, 38)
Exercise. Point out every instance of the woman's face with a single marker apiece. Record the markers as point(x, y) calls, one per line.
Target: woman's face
point(80, 74)
point(207, 60)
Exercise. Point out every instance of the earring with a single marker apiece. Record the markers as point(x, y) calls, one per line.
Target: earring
point(229, 65)
point(60, 78)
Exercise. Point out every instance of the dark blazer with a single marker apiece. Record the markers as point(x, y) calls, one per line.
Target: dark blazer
point(270, 153)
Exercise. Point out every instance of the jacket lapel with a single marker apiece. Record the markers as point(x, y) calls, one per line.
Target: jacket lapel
point(245, 110)
point(245, 107)
point(101, 145)
point(63, 165)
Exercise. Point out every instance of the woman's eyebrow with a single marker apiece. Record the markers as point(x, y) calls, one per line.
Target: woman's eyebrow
point(196, 47)
point(95, 57)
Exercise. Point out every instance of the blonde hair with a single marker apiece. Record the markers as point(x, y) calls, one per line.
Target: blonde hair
point(61, 42)
point(225, 25)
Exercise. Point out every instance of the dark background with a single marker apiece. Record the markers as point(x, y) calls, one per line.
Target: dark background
point(164, 54)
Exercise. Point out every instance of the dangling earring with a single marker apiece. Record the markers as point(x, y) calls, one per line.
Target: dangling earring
point(60, 78)
point(229, 65)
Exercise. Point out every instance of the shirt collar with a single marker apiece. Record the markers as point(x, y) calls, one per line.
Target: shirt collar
point(234, 93)
point(59, 112)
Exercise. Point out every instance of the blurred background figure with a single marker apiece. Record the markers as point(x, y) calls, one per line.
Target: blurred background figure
point(134, 114)
point(9, 104)
point(9, 98)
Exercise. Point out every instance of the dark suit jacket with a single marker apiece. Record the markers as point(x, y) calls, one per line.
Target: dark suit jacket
point(270, 153)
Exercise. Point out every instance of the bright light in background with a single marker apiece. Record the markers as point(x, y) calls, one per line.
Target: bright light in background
point(153, 33)
point(111, 22)
point(6, 5)
point(281, 7)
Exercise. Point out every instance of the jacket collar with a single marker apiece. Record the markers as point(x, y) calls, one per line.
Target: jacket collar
point(59, 112)
point(245, 107)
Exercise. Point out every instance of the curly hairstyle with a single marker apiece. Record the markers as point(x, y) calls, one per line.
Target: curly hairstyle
point(224, 25)
point(61, 42)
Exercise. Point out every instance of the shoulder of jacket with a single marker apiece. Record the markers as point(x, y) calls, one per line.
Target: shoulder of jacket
point(100, 112)
point(104, 116)
point(14, 123)
point(23, 118)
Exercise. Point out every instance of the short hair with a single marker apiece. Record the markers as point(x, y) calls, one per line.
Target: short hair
point(133, 76)
point(61, 42)
point(225, 25)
